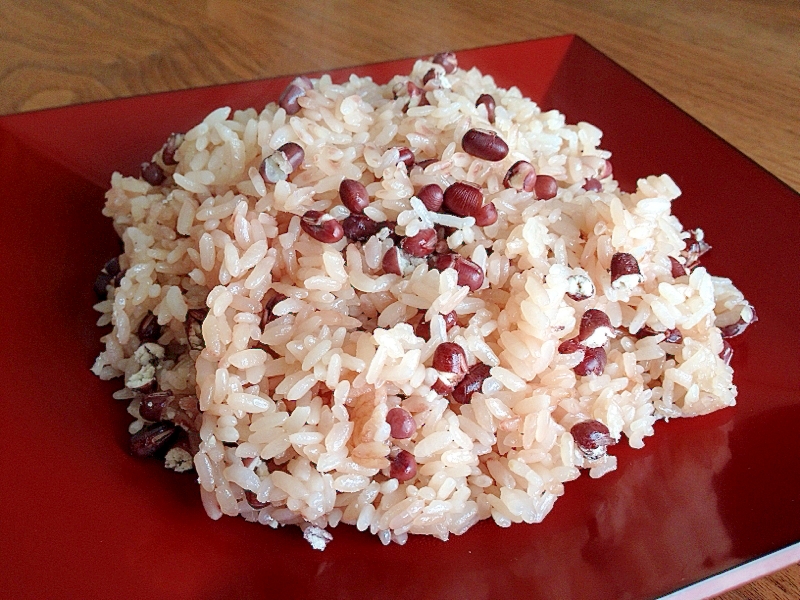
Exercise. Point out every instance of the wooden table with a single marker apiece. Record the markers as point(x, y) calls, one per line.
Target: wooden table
point(734, 65)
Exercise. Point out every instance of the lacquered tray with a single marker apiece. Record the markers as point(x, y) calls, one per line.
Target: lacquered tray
point(80, 518)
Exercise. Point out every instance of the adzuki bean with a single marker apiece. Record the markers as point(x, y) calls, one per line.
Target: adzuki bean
point(174, 142)
point(592, 185)
point(253, 500)
point(401, 423)
point(423, 328)
point(484, 144)
point(421, 244)
point(521, 176)
point(268, 316)
point(593, 363)
point(463, 199)
point(322, 227)
point(151, 438)
point(595, 328)
point(448, 60)
point(152, 173)
point(406, 157)
point(360, 228)
point(489, 104)
point(354, 195)
point(394, 261)
point(592, 437)
point(486, 215)
point(545, 187)
point(472, 382)
point(449, 357)
point(625, 271)
point(469, 273)
point(295, 90)
point(151, 406)
point(402, 466)
point(431, 196)
point(676, 268)
point(571, 346)
point(149, 329)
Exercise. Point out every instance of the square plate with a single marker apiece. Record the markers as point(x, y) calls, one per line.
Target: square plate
point(81, 518)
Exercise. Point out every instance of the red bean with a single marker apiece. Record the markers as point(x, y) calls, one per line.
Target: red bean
point(624, 265)
point(472, 382)
point(149, 329)
point(441, 387)
point(593, 363)
point(394, 261)
point(733, 329)
point(486, 215)
point(110, 274)
point(521, 176)
point(696, 246)
point(198, 314)
point(673, 336)
point(174, 142)
point(360, 228)
point(431, 74)
point(424, 164)
point(268, 316)
point(592, 185)
point(469, 273)
point(354, 195)
point(592, 437)
point(401, 423)
point(416, 95)
point(488, 102)
point(112, 267)
point(645, 331)
point(571, 346)
point(406, 157)
point(484, 144)
point(282, 163)
point(595, 328)
point(606, 170)
point(449, 357)
point(432, 197)
point(403, 466)
point(423, 328)
point(151, 438)
point(296, 89)
point(253, 500)
point(738, 328)
point(545, 187)
point(294, 154)
point(677, 269)
point(322, 227)
point(152, 173)
point(463, 199)
point(151, 406)
point(448, 60)
point(421, 244)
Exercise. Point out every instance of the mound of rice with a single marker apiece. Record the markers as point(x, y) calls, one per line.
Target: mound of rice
point(268, 360)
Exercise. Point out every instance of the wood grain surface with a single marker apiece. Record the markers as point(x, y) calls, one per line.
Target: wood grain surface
point(732, 64)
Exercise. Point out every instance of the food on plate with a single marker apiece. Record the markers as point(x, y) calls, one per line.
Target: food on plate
point(405, 307)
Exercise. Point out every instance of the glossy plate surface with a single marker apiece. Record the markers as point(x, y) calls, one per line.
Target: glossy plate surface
point(80, 518)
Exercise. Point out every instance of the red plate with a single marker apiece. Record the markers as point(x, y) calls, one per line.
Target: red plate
point(81, 518)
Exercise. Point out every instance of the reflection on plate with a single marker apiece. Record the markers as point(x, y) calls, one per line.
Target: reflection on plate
point(82, 518)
